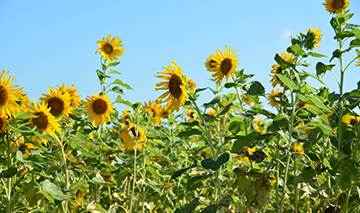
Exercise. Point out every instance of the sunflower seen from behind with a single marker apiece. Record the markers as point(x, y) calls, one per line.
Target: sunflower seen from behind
point(98, 108)
point(45, 121)
point(58, 102)
point(336, 6)
point(277, 69)
point(127, 135)
point(317, 37)
point(175, 85)
point(9, 95)
point(223, 64)
point(110, 49)
point(274, 94)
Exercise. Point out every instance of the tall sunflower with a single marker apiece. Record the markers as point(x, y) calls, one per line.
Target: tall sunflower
point(274, 93)
point(128, 140)
point(224, 64)
point(98, 108)
point(175, 84)
point(318, 37)
point(336, 6)
point(3, 123)
point(9, 95)
point(45, 121)
point(110, 50)
point(154, 110)
point(277, 68)
point(75, 98)
point(58, 102)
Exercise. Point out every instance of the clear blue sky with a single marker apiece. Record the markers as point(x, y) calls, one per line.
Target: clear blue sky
point(47, 43)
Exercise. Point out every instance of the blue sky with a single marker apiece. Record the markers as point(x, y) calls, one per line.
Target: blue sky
point(48, 43)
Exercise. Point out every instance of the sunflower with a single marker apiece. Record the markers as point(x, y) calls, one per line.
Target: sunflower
point(4, 126)
point(277, 68)
point(211, 64)
point(175, 84)
point(273, 93)
point(260, 125)
point(318, 36)
point(336, 6)
point(192, 85)
point(9, 95)
point(25, 103)
point(128, 140)
point(250, 151)
point(58, 102)
point(350, 119)
point(190, 113)
point(225, 64)
point(75, 98)
point(23, 147)
point(45, 120)
point(154, 110)
point(126, 117)
point(98, 108)
point(299, 148)
point(110, 50)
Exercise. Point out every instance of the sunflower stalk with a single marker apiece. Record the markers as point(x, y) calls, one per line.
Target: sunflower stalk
point(242, 107)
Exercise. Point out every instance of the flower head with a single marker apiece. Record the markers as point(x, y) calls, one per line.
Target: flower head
point(270, 96)
point(223, 64)
point(154, 110)
point(3, 123)
point(350, 119)
point(260, 124)
point(277, 68)
point(317, 37)
point(336, 6)
point(9, 95)
point(128, 140)
point(175, 84)
point(75, 98)
point(45, 121)
point(110, 50)
point(98, 108)
point(58, 102)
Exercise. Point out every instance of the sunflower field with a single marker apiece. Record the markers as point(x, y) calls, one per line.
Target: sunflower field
point(293, 149)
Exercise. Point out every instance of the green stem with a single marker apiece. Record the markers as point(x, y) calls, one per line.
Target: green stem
point(242, 107)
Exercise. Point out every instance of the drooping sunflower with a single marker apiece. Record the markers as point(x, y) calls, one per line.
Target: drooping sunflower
point(154, 110)
point(225, 64)
point(110, 50)
point(318, 37)
point(9, 95)
point(75, 98)
point(336, 6)
point(277, 68)
point(45, 120)
point(260, 125)
point(98, 108)
point(350, 119)
point(3, 123)
point(58, 102)
point(129, 141)
point(274, 93)
point(192, 85)
point(210, 63)
point(175, 84)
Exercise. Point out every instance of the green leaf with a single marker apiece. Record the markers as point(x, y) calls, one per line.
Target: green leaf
point(355, 93)
point(356, 32)
point(211, 209)
point(355, 43)
point(100, 181)
point(209, 163)
point(324, 128)
point(243, 141)
point(344, 34)
point(336, 54)
point(181, 171)
point(47, 188)
point(101, 76)
point(117, 90)
point(213, 102)
point(114, 71)
point(9, 172)
point(317, 55)
point(231, 84)
point(24, 115)
point(88, 154)
point(236, 125)
point(284, 64)
point(321, 69)
point(189, 133)
point(113, 63)
point(119, 82)
point(120, 100)
point(253, 88)
point(78, 185)
point(193, 123)
point(296, 50)
point(289, 83)
point(225, 110)
point(189, 208)
point(200, 89)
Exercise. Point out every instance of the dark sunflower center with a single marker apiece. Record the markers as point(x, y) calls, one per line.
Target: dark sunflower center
point(22, 148)
point(99, 106)
point(153, 112)
point(133, 131)
point(353, 121)
point(338, 4)
point(3, 95)
point(57, 106)
point(225, 66)
point(174, 86)
point(108, 48)
point(41, 122)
